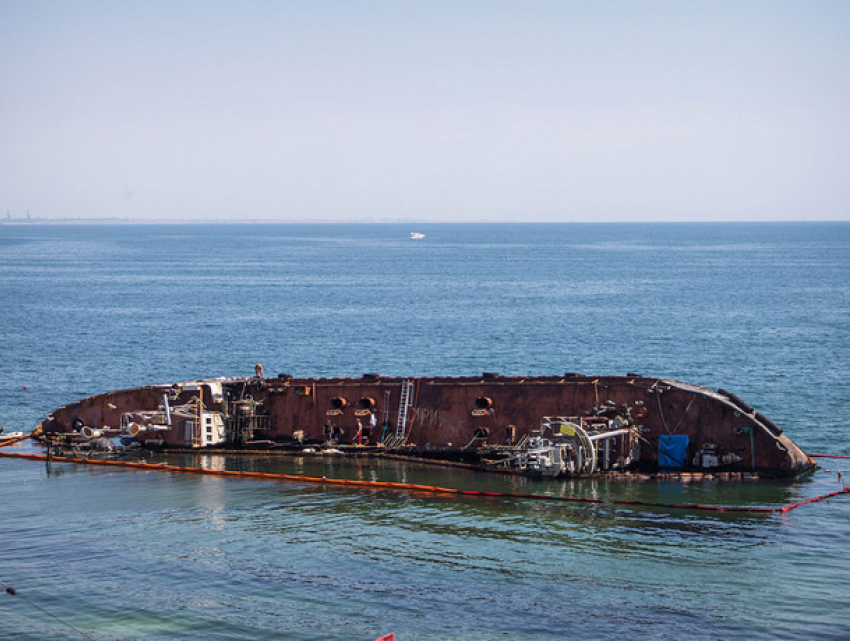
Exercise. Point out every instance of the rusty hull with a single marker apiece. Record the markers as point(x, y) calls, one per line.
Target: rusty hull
point(465, 413)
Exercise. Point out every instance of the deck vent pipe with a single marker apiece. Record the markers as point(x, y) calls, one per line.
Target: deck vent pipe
point(167, 409)
point(484, 402)
point(366, 403)
point(90, 432)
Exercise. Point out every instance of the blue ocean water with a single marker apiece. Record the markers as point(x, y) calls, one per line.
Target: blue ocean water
point(762, 310)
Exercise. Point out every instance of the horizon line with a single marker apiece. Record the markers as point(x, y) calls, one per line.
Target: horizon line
point(34, 221)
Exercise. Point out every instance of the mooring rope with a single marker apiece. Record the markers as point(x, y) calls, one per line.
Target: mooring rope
point(411, 487)
point(828, 456)
point(8, 589)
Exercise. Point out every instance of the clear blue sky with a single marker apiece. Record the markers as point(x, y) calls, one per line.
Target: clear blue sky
point(452, 110)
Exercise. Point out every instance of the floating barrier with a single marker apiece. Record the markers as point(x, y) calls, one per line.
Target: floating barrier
point(815, 499)
point(12, 441)
point(411, 487)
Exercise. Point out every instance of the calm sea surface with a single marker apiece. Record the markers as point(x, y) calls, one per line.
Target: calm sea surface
point(762, 310)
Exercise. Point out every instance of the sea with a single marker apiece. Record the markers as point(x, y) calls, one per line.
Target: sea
point(761, 310)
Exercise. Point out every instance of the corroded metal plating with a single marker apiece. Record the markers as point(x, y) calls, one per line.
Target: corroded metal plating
point(447, 416)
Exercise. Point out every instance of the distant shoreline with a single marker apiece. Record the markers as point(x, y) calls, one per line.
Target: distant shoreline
point(40, 222)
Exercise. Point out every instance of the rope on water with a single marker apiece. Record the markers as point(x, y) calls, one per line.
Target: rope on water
point(13, 592)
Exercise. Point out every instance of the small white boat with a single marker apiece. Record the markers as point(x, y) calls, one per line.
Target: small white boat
point(8, 436)
point(416, 235)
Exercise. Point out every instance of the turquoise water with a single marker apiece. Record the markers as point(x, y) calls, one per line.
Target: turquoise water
point(759, 309)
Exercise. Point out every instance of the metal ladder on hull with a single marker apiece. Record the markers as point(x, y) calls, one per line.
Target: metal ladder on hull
point(400, 435)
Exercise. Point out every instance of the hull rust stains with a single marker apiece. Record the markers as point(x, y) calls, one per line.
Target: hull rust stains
point(571, 425)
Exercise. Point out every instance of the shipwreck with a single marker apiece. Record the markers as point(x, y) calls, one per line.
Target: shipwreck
point(552, 426)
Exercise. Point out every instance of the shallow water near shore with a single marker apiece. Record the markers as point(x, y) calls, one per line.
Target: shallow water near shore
point(761, 310)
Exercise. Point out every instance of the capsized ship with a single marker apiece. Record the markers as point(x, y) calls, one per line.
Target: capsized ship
point(569, 425)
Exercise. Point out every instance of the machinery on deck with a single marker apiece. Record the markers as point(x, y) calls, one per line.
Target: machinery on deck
point(574, 446)
point(570, 425)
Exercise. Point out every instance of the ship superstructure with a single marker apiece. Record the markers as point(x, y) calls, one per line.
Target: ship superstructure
point(569, 425)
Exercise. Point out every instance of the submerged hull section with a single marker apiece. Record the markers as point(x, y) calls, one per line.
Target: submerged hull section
point(564, 425)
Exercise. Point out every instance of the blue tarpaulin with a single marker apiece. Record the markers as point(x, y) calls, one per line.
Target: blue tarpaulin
point(672, 450)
